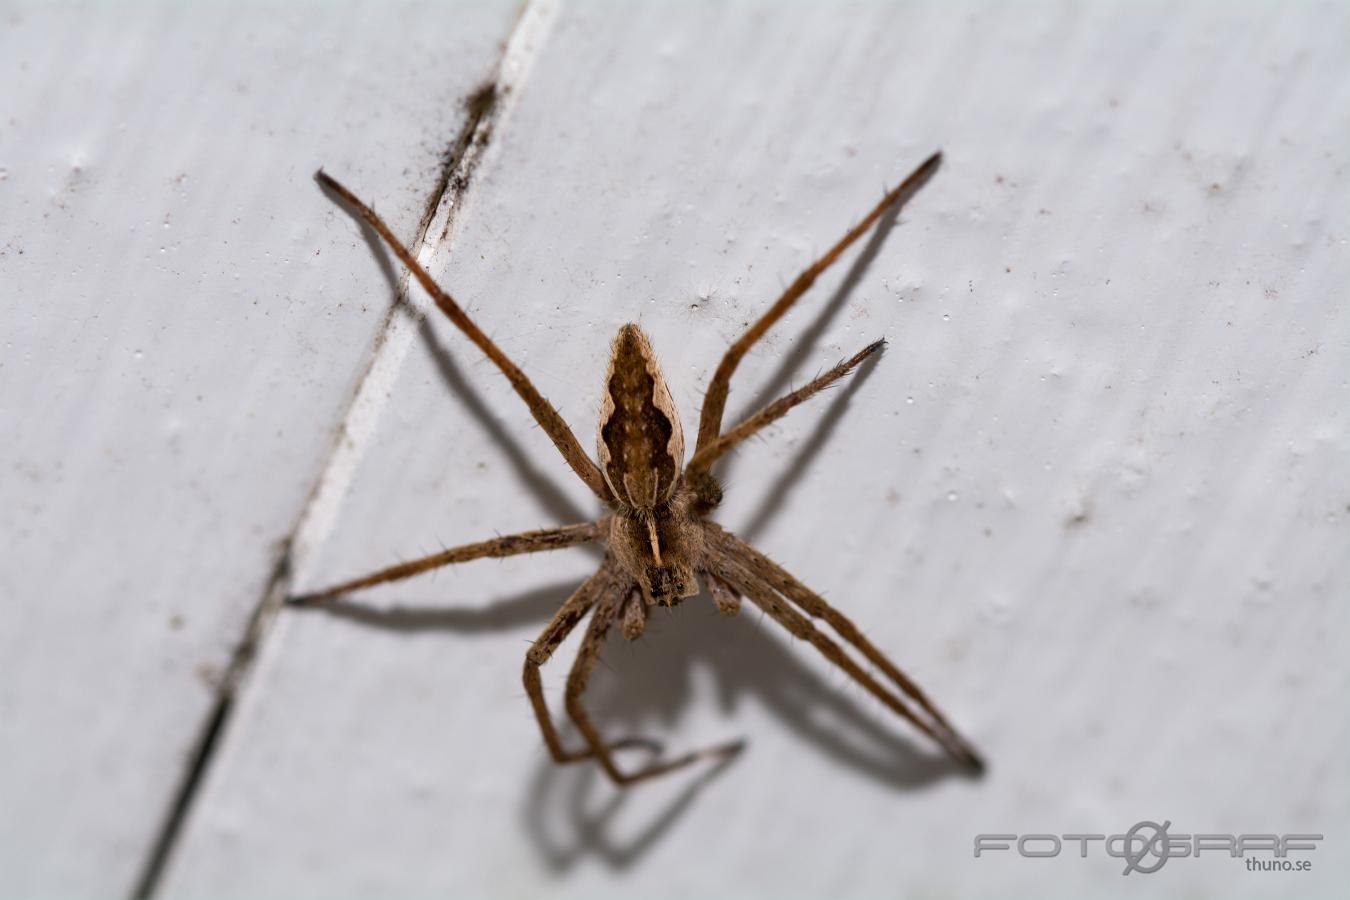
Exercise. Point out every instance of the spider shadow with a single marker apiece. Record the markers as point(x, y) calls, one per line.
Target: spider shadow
point(754, 664)
point(528, 608)
point(559, 506)
point(801, 461)
point(779, 383)
point(653, 680)
point(656, 681)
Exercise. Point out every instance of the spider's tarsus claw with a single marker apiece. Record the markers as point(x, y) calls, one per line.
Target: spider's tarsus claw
point(930, 165)
point(719, 756)
point(722, 752)
point(875, 347)
point(975, 762)
point(914, 181)
point(964, 754)
point(307, 599)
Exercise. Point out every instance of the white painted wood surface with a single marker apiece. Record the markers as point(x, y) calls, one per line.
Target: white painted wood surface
point(1094, 496)
point(182, 334)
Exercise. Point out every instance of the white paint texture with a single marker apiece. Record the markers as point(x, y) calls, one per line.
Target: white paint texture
point(182, 335)
point(1094, 496)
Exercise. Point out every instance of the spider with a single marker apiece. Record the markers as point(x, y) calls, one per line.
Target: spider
point(659, 540)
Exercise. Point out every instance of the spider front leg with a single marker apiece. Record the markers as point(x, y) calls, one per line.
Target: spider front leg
point(703, 459)
point(710, 419)
point(605, 614)
point(544, 413)
point(599, 586)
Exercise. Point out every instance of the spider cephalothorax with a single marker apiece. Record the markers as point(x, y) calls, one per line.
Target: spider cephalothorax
point(661, 548)
point(659, 542)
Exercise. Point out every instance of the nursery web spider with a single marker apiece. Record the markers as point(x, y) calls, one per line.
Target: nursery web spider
point(658, 537)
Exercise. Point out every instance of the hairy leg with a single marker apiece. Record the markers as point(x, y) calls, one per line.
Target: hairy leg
point(510, 545)
point(766, 584)
point(600, 587)
point(633, 615)
point(710, 421)
point(703, 459)
point(548, 418)
point(727, 601)
point(607, 611)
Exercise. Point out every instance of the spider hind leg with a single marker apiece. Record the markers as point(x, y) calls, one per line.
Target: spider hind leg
point(595, 589)
point(773, 590)
point(607, 611)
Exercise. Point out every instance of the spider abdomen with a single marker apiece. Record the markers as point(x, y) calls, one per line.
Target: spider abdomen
point(640, 441)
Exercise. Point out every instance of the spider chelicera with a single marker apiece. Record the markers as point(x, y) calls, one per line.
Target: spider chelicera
point(659, 539)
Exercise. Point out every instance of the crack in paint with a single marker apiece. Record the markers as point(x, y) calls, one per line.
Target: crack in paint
point(484, 112)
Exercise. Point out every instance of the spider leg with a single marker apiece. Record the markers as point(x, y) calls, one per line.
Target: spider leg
point(509, 545)
point(598, 587)
point(763, 581)
point(710, 420)
point(605, 614)
point(703, 459)
point(548, 418)
point(727, 601)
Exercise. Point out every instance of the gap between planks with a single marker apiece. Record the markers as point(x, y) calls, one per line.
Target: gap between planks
point(487, 111)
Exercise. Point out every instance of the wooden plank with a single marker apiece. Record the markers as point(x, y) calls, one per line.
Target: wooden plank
point(187, 318)
point(1092, 497)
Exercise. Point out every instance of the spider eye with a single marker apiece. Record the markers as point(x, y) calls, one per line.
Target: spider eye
point(669, 584)
point(662, 580)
